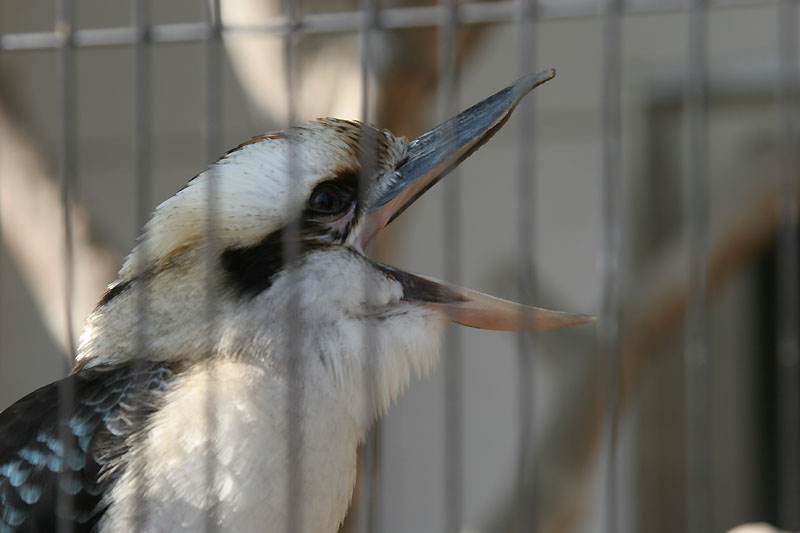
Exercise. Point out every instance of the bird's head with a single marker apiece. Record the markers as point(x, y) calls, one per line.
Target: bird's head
point(263, 257)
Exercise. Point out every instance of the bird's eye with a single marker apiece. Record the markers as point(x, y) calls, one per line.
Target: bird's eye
point(329, 199)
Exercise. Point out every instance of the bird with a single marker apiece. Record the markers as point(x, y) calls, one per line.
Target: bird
point(227, 377)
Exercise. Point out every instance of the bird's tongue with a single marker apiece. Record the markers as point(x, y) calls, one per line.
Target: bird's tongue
point(478, 310)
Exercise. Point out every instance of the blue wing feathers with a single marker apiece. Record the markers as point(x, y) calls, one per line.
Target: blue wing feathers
point(56, 465)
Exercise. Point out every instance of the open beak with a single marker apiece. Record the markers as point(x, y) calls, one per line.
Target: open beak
point(431, 157)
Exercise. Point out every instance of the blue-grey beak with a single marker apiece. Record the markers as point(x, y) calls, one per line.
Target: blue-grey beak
point(431, 156)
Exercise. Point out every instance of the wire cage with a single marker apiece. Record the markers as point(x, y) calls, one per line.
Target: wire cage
point(653, 183)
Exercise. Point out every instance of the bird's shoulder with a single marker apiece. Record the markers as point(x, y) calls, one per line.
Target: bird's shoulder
point(63, 445)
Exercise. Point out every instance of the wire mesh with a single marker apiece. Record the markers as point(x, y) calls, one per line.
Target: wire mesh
point(526, 512)
point(453, 252)
point(788, 379)
point(612, 241)
point(389, 18)
point(448, 18)
point(141, 149)
point(295, 387)
point(697, 363)
point(212, 125)
point(66, 74)
point(370, 468)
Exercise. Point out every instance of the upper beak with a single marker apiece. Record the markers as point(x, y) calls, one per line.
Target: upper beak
point(431, 157)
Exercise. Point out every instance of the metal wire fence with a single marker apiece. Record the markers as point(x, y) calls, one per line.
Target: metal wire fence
point(448, 17)
point(65, 35)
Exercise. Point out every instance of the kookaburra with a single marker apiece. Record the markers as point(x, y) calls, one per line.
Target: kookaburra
point(228, 375)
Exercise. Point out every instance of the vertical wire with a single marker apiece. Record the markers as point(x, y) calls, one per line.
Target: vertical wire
point(66, 156)
point(141, 161)
point(213, 59)
point(609, 328)
point(295, 394)
point(213, 121)
point(788, 366)
point(141, 114)
point(371, 460)
point(67, 151)
point(453, 255)
point(527, 475)
point(696, 351)
point(3, 143)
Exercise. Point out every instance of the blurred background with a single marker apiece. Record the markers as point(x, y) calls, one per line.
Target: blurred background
point(653, 182)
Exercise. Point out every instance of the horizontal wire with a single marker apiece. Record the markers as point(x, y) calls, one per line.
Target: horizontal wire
point(348, 21)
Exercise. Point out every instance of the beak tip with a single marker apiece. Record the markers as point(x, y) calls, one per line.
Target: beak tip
point(525, 85)
point(568, 320)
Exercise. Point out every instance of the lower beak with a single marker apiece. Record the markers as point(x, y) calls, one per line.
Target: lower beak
point(478, 310)
point(431, 157)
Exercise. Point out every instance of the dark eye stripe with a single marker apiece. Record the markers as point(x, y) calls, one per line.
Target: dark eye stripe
point(251, 269)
